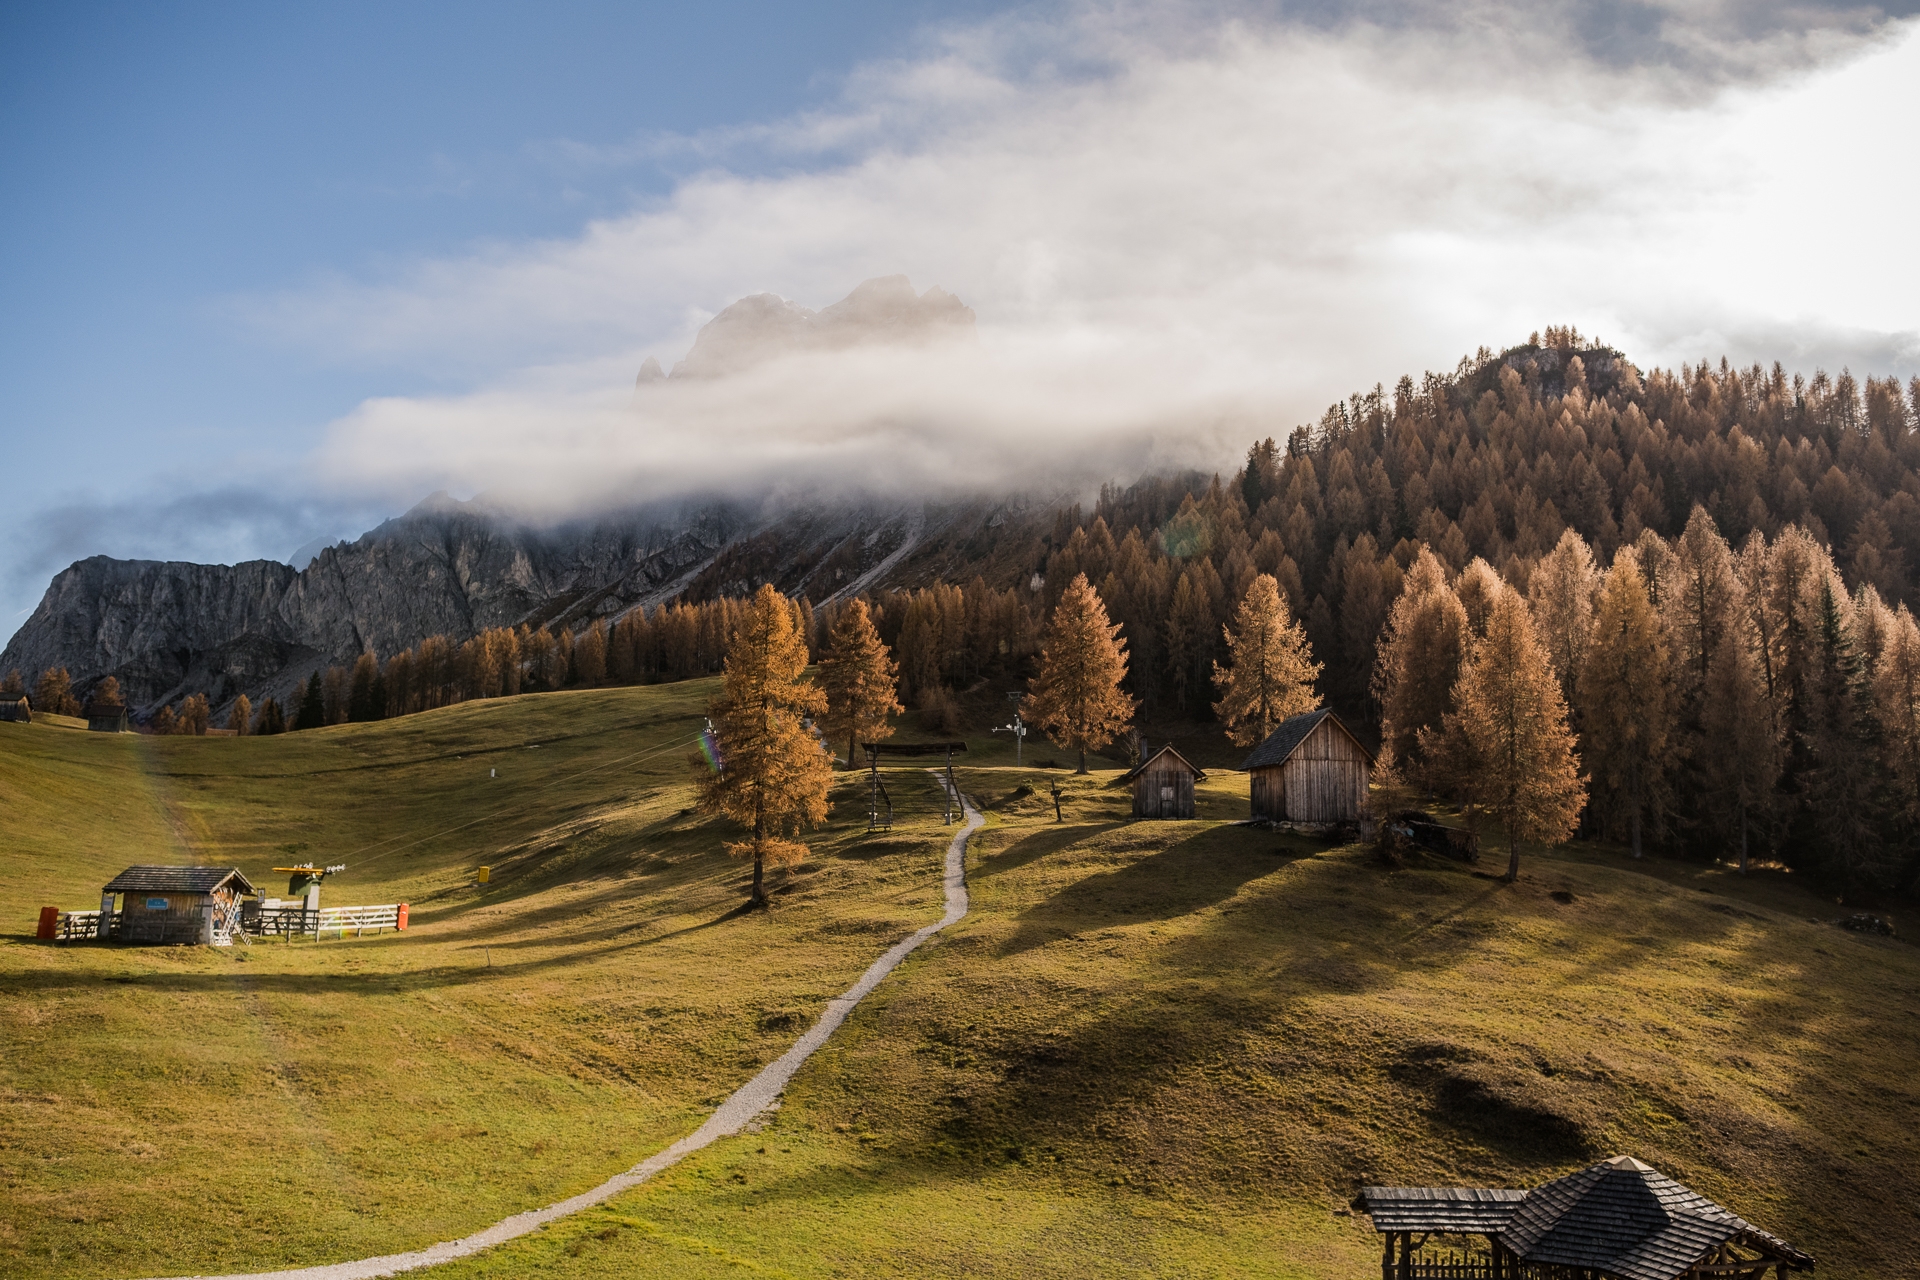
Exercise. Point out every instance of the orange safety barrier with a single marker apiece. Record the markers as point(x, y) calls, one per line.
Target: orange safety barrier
point(49, 923)
point(400, 919)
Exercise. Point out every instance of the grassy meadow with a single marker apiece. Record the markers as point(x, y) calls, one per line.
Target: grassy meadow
point(1152, 1048)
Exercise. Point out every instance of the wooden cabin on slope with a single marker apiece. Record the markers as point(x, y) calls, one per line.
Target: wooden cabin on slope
point(1163, 785)
point(1310, 769)
point(108, 717)
point(16, 706)
point(176, 904)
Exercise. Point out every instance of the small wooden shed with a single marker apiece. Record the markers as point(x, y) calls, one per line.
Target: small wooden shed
point(177, 904)
point(16, 706)
point(1310, 769)
point(1163, 785)
point(107, 717)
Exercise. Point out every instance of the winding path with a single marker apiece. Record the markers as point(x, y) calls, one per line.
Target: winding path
point(748, 1101)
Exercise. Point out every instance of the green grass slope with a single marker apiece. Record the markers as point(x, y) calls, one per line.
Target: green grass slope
point(1153, 1048)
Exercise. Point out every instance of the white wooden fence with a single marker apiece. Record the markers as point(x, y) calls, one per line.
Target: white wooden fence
point(342, 922)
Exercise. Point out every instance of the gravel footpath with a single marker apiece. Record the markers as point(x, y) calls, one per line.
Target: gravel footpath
point(752, 1098)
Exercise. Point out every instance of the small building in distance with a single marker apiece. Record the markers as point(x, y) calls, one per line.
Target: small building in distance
point(1163, 785)
point(1310, 769)
point(17, 707)
point(177, 904)
point(108, 717)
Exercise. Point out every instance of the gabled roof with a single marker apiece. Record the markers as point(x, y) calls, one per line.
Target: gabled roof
point(1628, 1219)
point(175, 880)
point(1198, 773)
point(16, 697)
point(1619, 1218)
point(1291, 732)
point(1472, 1210)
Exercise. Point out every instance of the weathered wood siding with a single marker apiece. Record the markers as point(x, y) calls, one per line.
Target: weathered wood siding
point(1324, 780)
point(1164, 789)
point(183, 919)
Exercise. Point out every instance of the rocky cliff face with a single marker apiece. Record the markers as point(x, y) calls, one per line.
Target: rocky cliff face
point(167, 629)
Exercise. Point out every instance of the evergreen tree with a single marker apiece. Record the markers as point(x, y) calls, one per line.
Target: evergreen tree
point(590, 654)
point(313, 705)
point(1076, 698)
point(271, 719)
point(1419, 659)
point(1270, 671)
point(1896, 689)
point(1508, 708)
point(1742, 751)
point(365, 700)
point(773, 774)
point(1626, 701)
point(240, 716)
point(859, 677)
point(1841, 783)
point(1561, 594)
point(53, 693)
point(194, 714)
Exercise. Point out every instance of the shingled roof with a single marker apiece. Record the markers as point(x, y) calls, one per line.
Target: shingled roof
point(1619, 1218)
point(1287, 737)
point(1473, 1210)
point(1198, 773)
point(1628, 1219)
point(175, 880)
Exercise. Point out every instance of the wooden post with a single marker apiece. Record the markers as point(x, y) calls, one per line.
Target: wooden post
point(1386, 1256)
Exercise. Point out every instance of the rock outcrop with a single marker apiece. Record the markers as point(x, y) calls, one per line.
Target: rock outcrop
point(167, 629)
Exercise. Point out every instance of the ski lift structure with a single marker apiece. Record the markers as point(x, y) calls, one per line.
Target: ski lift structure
point(879, 803)
point(1018, 728)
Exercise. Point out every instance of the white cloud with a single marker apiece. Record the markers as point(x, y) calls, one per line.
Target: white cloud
point(1171, 245)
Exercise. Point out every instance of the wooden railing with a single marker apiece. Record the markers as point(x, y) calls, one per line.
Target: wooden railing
point(342, 922)
point(85, 926)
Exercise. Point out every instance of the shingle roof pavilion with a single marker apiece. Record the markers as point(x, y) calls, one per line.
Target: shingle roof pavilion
point(175, 880)
point(1619, 1218)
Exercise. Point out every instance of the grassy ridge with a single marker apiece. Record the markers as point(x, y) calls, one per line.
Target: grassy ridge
point(1173, 1048)
point(177, 1109)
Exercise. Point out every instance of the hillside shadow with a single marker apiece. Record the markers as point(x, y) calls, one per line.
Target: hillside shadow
point(1030, 848)
point(1191, 874)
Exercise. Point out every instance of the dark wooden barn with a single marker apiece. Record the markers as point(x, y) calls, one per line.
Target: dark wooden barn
point(176, 904)
point(1616, 1220)
point(107, 717)
point(16, 706)
point(1310, 769)
point(1163, 785)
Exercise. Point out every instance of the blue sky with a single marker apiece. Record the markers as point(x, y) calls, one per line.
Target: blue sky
point(277, 271)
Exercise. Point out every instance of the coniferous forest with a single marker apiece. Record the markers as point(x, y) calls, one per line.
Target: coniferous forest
point(1719, 563)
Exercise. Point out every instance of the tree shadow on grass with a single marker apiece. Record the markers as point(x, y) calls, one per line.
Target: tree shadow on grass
point(1030, 848)
point(1191, 874)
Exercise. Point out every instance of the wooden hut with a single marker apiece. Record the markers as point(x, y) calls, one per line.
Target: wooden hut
point(1310, 769)
point(16, 706)
point(1616, 1220)
point(176, 904)
point(1163, 785)
point(107, 717)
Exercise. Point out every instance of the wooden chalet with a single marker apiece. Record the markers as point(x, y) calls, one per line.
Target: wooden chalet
point(1616, 1220)
point(175, 904)
point(17, 707)
point(1163, 785)
point(108, 717)
point(1310, 769)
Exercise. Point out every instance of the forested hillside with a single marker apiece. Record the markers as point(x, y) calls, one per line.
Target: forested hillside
point(1775, 522)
